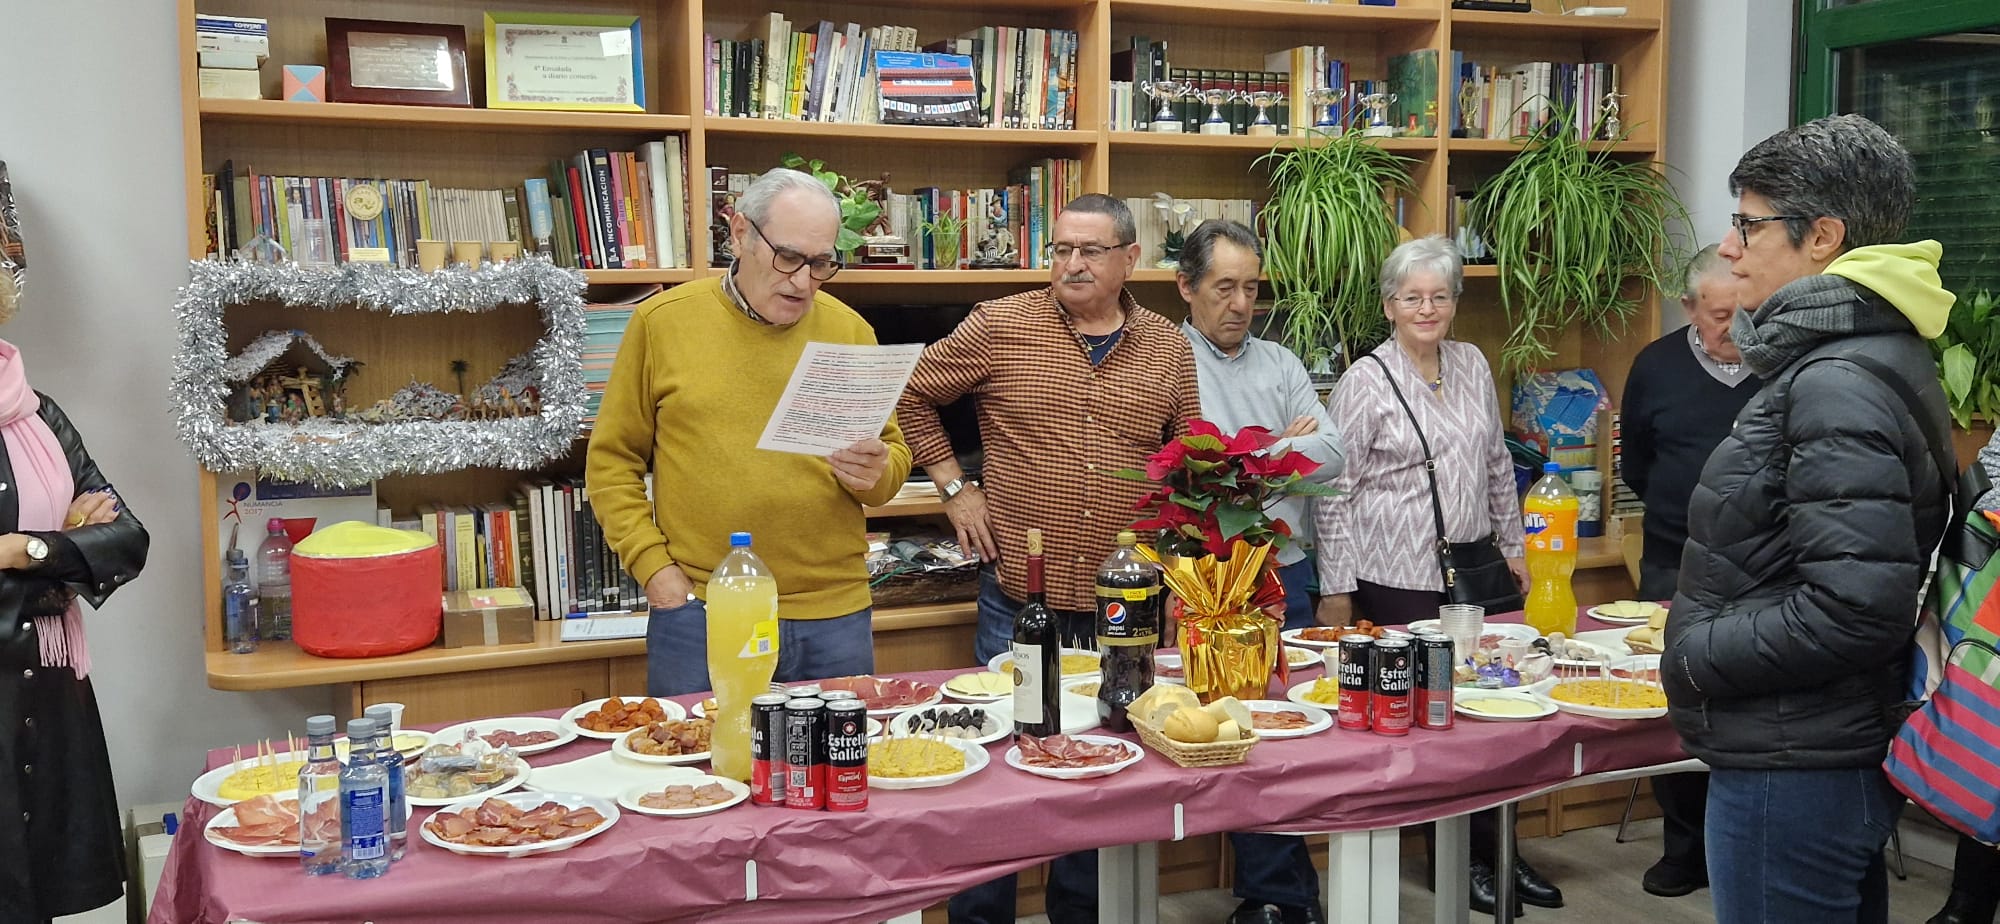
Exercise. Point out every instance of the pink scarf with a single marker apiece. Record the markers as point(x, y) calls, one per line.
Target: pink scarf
point(46, 488)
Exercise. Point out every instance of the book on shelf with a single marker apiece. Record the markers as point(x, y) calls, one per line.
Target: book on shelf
point(1516, 100)
point(600, 209)
point(542, 538)
point(1019, 77)
point(1413, 78)
point(606, 312)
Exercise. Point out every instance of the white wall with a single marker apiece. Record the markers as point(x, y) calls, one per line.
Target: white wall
point(96, 165)
point(1728, 87)
point(93, 145)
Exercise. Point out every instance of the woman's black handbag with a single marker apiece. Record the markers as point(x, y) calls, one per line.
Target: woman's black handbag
point(1474, 572)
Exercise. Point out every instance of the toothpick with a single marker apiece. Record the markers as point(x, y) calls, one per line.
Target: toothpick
point(237, 762)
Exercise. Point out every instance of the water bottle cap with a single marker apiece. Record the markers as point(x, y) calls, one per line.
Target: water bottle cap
point(360, 729)
point(739, 540)
point(236, 557)
point(379, 713)
point(1550, 468)
point(319, 725)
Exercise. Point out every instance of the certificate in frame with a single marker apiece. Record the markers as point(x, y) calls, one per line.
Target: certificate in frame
point(564, 61)
point(403, 63)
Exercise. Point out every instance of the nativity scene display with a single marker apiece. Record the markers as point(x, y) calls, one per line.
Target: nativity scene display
point(287, 377)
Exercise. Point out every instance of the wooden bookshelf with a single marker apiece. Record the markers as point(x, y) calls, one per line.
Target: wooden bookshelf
point(488, 148)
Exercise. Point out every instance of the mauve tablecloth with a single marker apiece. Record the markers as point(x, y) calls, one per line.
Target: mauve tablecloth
point(911, 849)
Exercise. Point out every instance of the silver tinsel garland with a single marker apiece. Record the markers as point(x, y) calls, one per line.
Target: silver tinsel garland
point(343, 454)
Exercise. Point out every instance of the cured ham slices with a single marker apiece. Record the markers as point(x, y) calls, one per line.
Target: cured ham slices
point(495, 823)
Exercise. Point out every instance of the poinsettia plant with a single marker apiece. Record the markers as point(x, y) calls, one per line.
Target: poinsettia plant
point(1215, 489)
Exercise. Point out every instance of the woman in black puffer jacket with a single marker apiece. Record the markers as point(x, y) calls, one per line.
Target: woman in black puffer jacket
point(1810, 529)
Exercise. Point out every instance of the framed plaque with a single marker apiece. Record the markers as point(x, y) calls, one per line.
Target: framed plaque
point(564, 61)
point(408, 63)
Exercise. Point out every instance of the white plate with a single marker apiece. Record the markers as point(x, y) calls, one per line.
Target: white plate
point(620, 748)
point(1612, 640)
point(1302, 658)
point(671, 709)
point(1543, 708)
point(1543, 689)
point(1002, 722)
point(738, 792)
point(1298, 692)
point(1168, 659)
point(565, 733)
point(1596, 612)
point(513, 782)
point(1133, 754)
point(340, 747)
point(605, 775)
point(527, 801)
point(993, 663)
point(1503, 629)
point(207, 787)
point(1321, 719)
point(976, 697)
point(227, 818)
point(976, 760)
point(1292, 636)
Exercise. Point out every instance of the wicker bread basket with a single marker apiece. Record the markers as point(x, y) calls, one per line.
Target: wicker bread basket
point(1211, 754)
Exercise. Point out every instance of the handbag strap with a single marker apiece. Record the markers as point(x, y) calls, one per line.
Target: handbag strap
point(1430, 465)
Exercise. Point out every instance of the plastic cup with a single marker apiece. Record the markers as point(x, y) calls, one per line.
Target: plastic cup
point(1464, 623)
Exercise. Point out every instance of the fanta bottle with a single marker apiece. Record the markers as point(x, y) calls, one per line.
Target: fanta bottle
point(742, 650)
point(1548, 517)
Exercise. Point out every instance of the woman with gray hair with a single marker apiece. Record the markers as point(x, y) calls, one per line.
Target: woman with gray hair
point(1420, 394)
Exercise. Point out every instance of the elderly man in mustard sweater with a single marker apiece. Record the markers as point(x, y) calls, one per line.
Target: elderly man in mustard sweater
point(697, 376)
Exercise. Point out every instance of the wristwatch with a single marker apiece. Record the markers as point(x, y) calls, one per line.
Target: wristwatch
point(956, 487)
point(38, 552)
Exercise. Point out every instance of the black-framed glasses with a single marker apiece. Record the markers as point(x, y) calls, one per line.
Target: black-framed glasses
point(1091, 253)
point(1742, 223)
point(787, 261)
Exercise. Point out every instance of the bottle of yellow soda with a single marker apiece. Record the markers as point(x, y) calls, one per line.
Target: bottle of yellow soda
point(1548, 517)
point(742, 650)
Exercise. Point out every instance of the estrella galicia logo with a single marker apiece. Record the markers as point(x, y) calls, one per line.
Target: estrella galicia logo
point(1114, 613)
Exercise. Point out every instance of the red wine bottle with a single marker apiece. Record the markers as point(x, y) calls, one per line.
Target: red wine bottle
point(1037, 656)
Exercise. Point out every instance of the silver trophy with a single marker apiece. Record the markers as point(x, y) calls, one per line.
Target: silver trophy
point(1607, 115)
point(1262, 126)
point(1167, 93)
point(1378, 115)
point(1326, 106)
point(1216, 123)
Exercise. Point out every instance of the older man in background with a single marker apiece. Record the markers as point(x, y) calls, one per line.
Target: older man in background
point(697, 376)
point(1073, 382)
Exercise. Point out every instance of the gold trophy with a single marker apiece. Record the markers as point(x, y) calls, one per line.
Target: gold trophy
point(1262, 126)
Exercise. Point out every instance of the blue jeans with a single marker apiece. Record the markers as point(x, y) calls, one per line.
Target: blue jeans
point(1786, 846)
point(1275, 868)
point(808, 649)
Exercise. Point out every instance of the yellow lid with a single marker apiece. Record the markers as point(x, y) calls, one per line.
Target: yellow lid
point(355, 539)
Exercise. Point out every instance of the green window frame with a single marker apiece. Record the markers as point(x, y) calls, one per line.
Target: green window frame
point(1826, 31)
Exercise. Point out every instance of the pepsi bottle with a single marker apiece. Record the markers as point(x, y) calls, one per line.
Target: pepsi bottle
point(1128, 629)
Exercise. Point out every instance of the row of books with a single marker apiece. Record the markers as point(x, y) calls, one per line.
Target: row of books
point(544, 539)
point(1002, 227)
point(605, 314)
point(1151, 221)
point(1510, 101)
point(599, 209)
point(1022, 77)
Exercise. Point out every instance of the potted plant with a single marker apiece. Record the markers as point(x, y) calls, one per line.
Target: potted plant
point(1570, 229)
point(1216, 543)
point(859, 206)
point(1327, 228)
point(947, 236)
point(1968, 353)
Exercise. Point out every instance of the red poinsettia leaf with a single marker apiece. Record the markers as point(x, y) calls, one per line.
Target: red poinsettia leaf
point(1204, 443)
point(1200, 427)
point(1159, 464)
point(1249, 440)
point(1281, 527)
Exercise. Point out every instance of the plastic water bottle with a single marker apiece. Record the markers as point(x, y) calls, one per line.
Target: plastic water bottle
point(1548, 518)
point(364, 793)
point(742, 650)
point(319, 800)
point(239, 605)
point(397, 804)
point(274, 581)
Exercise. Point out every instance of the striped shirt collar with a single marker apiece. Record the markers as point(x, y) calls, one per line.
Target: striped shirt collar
point(736, 296)
point(1726, 373)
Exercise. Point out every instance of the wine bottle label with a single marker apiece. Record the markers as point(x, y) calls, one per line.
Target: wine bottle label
point(1028, 705)
point(763, 640)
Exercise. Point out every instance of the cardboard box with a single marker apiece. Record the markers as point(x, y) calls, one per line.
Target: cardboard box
point(219, 83)
point(488, 616)
point(304, 83)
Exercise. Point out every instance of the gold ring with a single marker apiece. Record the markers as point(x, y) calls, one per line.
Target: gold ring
point(76, 522)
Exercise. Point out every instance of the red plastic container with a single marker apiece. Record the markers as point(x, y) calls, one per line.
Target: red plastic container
point(363, 591)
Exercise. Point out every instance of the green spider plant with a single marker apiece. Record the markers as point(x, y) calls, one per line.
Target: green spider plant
point(1570, 229)
point(1327, 228)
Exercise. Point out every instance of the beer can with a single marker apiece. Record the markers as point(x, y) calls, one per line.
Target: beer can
point(1389, 687)
point(833, 696)
point(805, 753)
point(1355, 657)
point(846, 755)
point(767, 749)
point(1434, 681)
point(802, 691)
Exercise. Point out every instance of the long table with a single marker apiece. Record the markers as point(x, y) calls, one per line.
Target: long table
point(911, 849)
